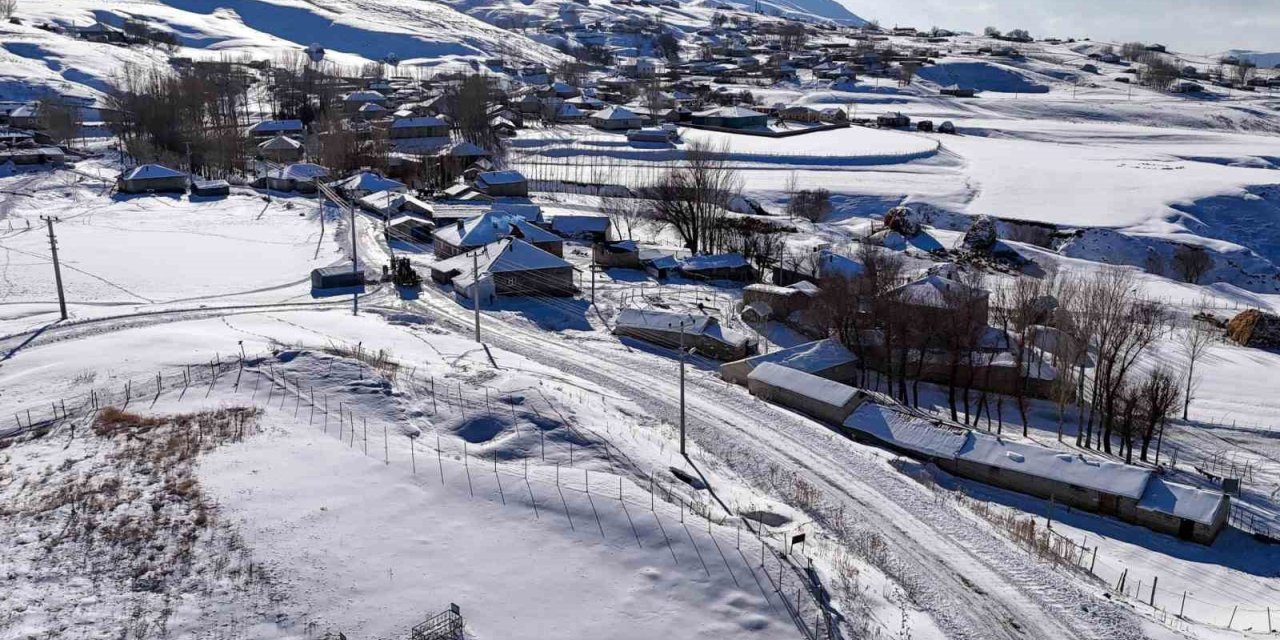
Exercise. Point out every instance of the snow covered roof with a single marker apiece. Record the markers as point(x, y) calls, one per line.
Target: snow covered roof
point(421, 121)
point(527, 210)
point(721, 261)
point(370, 107)
point(280, 143)
point(813, 387)
point(810, 357)
point(300, 171)
point(500, 177)
point(151, 172)
point(833, 264)
point(1181, 501)
point(369, 182)
point(729, 112)
point(805, 286)
point(567, 110)
point(662, 320)
point(364, 96)
point(463, 149)
point(491, 227)
point(571, 224)
point(615, 113)
point(932, 291)
point(905, 431)
point(276, 126)
point(1106, 477)
point(391, 200)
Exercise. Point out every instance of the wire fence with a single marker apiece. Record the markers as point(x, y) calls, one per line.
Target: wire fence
point(565, 465)
point(761, 560)
point(1177, 608)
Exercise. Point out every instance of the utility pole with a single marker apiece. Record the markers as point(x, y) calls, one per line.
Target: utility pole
point(475, 289)
point(57, 270)
point(355, 262)
point(682, 357)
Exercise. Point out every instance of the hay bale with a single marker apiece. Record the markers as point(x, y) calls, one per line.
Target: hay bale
point(981, 237)
point(1253, 328)
point(904, 221)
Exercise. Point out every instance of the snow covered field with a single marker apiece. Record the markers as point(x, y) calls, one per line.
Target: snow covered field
point(398, 466)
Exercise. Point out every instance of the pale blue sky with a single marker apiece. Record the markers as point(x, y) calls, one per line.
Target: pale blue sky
point(1194, 26)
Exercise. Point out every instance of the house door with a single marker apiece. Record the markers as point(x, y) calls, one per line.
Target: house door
point(1186, 529)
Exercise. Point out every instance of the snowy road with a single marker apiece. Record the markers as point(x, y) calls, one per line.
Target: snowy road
point(969, 580)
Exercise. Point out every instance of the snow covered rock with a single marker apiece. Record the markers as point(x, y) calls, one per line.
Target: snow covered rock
point(904, 221)
point(1253, 328)
point(981, 237)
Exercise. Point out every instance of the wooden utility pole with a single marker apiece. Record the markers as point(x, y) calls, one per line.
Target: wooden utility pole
point(682, 358)
point(475, 289)
point(57, 269)
point(355, 262)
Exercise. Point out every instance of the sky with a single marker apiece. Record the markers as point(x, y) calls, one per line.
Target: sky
point(1191, 26)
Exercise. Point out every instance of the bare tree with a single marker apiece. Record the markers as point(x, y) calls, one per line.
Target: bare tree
point(1244, 71)
point(694, 195)
point(626, 213)
point(1194, 340)
point(8, 8)
point(809, 204)
point(1069, 348)
point(907, 73)
point(1159, 395)
point(1018, 310)
point(1124, 327)
point(60, 120)
point(1191, 262)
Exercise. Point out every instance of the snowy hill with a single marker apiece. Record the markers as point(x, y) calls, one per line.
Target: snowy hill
point(353, 32)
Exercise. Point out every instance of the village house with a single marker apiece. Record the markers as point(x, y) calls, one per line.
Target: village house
point(814, 396)
point(365, 183)
point(300, 177)
point(152, 178)
point(701, 333)
point(765, 302)
point(574, 226)
point(731, 118)
point(507, 267)
point(507, 183)
point(273, 128)
point(933, 299)
point(391, 203)
point(615, 118)
point(281, 149)
point(728, 266)
point(823, 358)
point(617, 255)
point(418, 127)
point(352, 102)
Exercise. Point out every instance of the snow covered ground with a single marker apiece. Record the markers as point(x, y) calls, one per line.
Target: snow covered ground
point(400, 466)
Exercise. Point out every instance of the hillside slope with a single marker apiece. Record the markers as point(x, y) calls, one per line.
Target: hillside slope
point(353, 32)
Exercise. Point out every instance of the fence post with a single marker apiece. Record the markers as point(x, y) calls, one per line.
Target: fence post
point(412, 456)
point(1154, 581)
point(1183, 608)
point(386, 450)
point(1233, 616)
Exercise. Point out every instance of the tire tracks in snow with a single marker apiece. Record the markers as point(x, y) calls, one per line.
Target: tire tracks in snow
point(1024, 599)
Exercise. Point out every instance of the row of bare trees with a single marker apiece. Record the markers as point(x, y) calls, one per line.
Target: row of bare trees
point(193, 117)
point(1083, 343)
